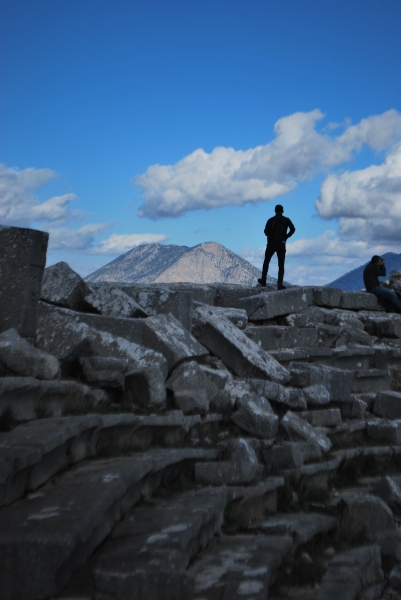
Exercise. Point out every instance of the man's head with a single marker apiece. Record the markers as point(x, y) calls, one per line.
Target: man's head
point(279, 209)
point(377, 260)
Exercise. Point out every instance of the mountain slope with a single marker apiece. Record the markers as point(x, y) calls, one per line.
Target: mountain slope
point(353, 280)
point(156, 263)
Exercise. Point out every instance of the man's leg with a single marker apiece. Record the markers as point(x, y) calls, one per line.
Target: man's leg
point(270, 250)
point(381, 292)
point(281, 259)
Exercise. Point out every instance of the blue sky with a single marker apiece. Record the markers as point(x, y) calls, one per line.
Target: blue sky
point(130, 121)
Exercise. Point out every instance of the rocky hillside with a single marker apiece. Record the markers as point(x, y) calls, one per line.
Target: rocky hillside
point(194, 442)
point(157, 263)
point(353, 280)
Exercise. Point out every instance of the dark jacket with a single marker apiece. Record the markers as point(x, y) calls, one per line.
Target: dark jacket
point(276, 229)
point(370, 275)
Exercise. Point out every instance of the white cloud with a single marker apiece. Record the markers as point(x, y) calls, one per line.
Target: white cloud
point(19, 206)
point(228, 177)
point(76, 240)
point(367, 201)
point(120, 243)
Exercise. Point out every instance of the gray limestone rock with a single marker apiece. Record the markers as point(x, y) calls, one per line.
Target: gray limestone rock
point(235, 349)
point(317, 395)
point(256, 417)
point(62, 286)
point(303, 526)
point(337, 381)
point(358, 301)
point(192, 402)
point(109, 300)
point(330, 297)
point(388, 405)
point(274, 337)
point(22, 358)
point(388, 432)
point(22, 260)
point(330, 417)
point(308, 317)
point(237, 316)
point(395, 578)
point(145, 385)
point(241, 450)
point(227, 473)
point(273, 304)
point(388, 491)
point(217, 376)
point(287, 455)
point(297, 429)
point(291, 397)
point(107, 371)
point(190, 376)
point(368, 515)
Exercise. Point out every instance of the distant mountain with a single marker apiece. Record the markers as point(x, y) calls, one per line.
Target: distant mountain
point(353, 280)
point(158, 263)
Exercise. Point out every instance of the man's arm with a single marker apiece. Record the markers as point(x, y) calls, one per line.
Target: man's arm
point(292, 230)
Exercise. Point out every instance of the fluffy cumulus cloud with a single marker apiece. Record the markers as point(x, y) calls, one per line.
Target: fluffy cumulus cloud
point(367, 201)
point(228, 177)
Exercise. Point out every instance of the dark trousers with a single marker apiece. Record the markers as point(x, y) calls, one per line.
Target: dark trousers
point(271, 248)
point(381, 292)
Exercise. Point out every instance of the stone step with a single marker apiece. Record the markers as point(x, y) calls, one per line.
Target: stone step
point(302, 527)
point(238, 567)
point(147, 553)
point(51, 533)
point(371, 380)
point(358, 357)
point(30, 454)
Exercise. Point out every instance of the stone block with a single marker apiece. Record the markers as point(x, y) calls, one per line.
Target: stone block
point(274, 337)
point(192, 402)
point(217, 376)
point(387, 432)
point(109, 300)
point(237, 316)
point(358, 301)
point(337, 381)
point(297, 429)
point(388, 405)
point(235, 349)
point(291, 397)
point(308, 317)
point(273, 304)
point(390, 327)
point(330, 417)
point(388, 491)
point(241, 450)
point(325, 296)
point(21, 358)
point(368, 514)
point(284, 456)
point(227, 473)
point(229, 294)
point(145, 385)
point(190, 376)
point(22, 261)
point(256, 417)
point(316, 395)
point(64, 287)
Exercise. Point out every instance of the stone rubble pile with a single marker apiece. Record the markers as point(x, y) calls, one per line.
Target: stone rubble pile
point(205, 442)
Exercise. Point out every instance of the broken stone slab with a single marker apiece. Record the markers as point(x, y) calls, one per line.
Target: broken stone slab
point(358, 301)
point(227, 473)
point(217, 376)
point(368, 515)
point(355, 409)
point(330, 417)
point(297, 429)
point(228, 294)
point(395, 578)
point(192, 402)
point(256, 417)
point(390, 327)
point(287, 455)
point(145, 385)
point(163, 300)
point(307, 317)
point(371, 380)
point(237, 316)
point(235, 349)
point(64, 287)
point(273, 304)
point(275, 337)
point(329, 297)
point(22, 261)
point(190, 376)
point(47, 536)
point(291, 397)
point(316, 395)
point(385, 431)
point(388, 405)
point(147, 554)
point(241, 449)
point(387, 489)
point(238, 567)
point(337, 381)
point(106, 371)
point(21, 358)
point(303, 527)
point(109, 300)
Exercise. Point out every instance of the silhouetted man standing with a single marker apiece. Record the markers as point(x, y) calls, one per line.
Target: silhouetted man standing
point(373, 270)
point(278, 229)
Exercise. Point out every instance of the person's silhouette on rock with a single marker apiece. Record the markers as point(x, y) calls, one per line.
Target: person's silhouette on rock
point(278, 229)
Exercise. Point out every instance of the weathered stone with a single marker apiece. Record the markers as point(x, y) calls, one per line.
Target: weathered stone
point(329, 297)
point(192, 402)
point(235, 349)
point(227, 473)
point(390, 327)
point(284, 456)
point(388, 491)
point(317, 395)
point(256, 416)
point(20, 357)
point(190, 376)
point(388, 405)
point(291, 397)
point(308, 317)
point(368, 515)
point(163, 300)
point(358, 301)
point(337, 381)
point(273, 304)
point(240, 449)
point(330, 417)
point(109, 300)
point(145, 385)
point(217, 376)
point(106, 371)
point(228, 294)
point(237, 316)
point(23, 257)
point(395, 578)
point(303, 526)
point(64, 287)
point(275, 337)
point(297, 429)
